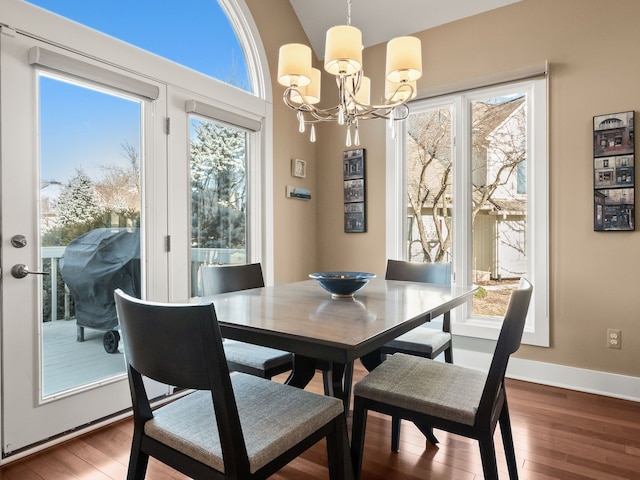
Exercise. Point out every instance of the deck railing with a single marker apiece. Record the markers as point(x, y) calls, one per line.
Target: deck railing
point(52, 255)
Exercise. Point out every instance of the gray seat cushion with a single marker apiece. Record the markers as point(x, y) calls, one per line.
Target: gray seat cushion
point(439, 389)
point(422, 339)
point(274, 417)
point(256, 356)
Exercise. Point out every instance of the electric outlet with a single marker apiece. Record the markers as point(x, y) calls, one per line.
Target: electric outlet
point(614, 338)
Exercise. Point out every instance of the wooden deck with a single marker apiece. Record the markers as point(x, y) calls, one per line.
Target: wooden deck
point(69, 364)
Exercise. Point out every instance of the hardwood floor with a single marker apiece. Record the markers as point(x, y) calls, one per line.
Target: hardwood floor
point(558, 434)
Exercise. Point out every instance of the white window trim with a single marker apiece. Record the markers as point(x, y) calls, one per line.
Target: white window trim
point(537, 327)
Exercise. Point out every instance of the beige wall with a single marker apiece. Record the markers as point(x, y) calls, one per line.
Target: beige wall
point(296, 226)
point(592, 48)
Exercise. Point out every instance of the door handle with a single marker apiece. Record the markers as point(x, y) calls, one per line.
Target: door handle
point(20, 270)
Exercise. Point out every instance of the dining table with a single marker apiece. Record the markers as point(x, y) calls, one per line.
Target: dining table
point(318, 329)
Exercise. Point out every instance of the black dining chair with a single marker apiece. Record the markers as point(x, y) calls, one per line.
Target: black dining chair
point(423, 341)
point(426, 340)
point(460, 400)
point(231, 426)
point(244, 357)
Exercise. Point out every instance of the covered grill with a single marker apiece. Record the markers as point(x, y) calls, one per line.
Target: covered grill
point(93, 266)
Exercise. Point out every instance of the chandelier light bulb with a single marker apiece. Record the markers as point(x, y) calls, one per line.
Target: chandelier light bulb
point(363, 95)
point(311, 93)
point(404, 59)
point(294, 65)
point(343, 50)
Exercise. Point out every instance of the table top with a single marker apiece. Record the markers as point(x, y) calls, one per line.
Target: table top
point(303, 318)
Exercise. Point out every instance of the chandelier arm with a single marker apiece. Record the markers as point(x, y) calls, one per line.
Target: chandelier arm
point(399, 113)
point(387, 104)
point(330, 114)
point(348, 110)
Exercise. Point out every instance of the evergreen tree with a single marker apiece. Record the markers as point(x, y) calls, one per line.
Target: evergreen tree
point(78, 208)
point(218, 186)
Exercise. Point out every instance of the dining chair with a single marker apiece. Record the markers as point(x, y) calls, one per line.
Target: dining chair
point(231, 426)
point(424, 341)
point(244, 357)
point(460, 400)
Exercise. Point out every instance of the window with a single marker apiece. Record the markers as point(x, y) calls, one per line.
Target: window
point(123, 38)
point(90, 213)
point(196, 34)
point(473, 184)
point(218, 169)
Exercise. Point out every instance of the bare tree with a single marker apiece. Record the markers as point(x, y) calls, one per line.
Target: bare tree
point(429, 180)
point(498, 148)
point(120, 190)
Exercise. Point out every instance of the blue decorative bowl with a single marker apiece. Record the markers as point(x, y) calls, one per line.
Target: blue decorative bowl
point(342, 284)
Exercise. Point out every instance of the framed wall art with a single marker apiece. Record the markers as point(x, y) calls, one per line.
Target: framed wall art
point(614, 172)
point(354, 188)
point(298, 168)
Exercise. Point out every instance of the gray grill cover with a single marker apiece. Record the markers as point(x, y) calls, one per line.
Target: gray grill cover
point(94, 265)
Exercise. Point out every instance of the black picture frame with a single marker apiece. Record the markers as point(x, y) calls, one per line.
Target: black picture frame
point(354, 188)
point(354, 218)
point(614, 172)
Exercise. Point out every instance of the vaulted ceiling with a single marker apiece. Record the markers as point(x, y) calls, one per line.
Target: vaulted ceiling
point(382, 20)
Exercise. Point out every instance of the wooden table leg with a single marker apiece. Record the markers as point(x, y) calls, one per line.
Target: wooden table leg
point(304, 368)
point(337, 376)
point(372, 359)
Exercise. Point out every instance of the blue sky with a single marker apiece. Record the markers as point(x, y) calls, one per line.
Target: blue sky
point(194, 33)
point(82, 127)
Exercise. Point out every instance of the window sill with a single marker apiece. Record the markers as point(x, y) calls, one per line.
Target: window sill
point(490, 329)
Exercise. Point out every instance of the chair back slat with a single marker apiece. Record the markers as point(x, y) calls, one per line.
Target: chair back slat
point(439, 273)
point(159, 346)
point(230, 278)
point(508, 343)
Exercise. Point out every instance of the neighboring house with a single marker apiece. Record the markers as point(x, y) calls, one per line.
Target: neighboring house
point(499, 190)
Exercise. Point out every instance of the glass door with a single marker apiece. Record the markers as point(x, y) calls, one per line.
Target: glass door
point(90, 205)
point(75, 158)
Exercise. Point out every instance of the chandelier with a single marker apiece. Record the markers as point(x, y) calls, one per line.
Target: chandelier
point(343, 59)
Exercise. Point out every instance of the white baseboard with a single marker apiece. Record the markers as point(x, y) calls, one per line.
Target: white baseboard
point(579, 379)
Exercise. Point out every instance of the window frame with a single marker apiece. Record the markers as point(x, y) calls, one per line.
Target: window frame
point(463, 323)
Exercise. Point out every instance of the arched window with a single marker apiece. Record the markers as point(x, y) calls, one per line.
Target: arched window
point(203, 51)
point(196, 34)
